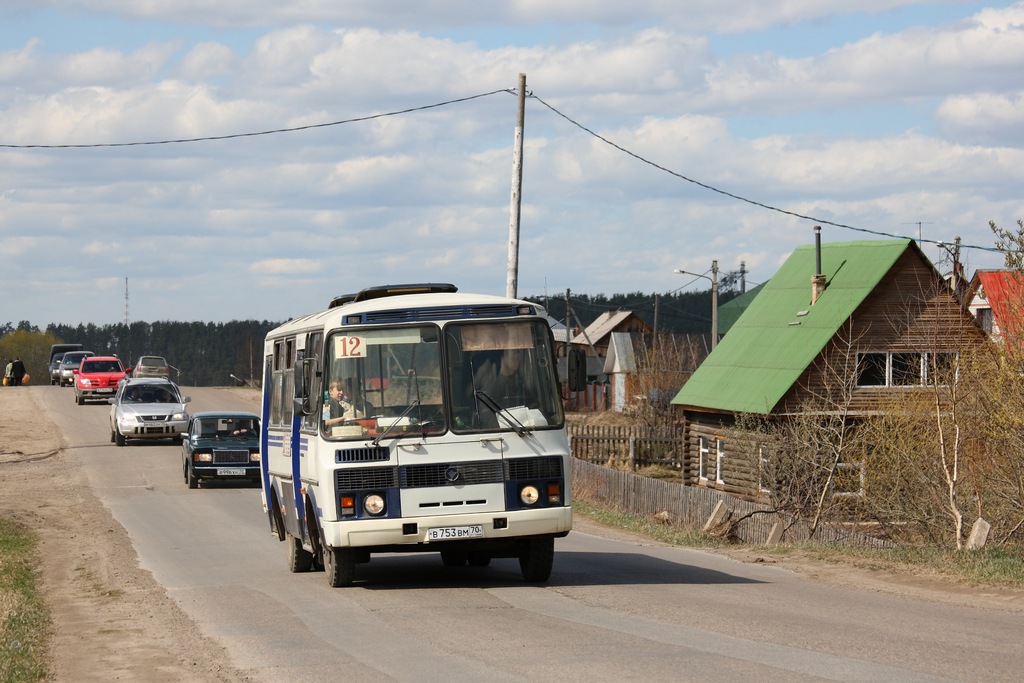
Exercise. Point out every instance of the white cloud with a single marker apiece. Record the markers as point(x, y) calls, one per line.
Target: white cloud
point(277, 224)
point(987, 118)
point(284, 266)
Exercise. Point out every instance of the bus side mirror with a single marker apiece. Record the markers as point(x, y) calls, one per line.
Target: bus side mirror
point(303, 376)
point(577, 366)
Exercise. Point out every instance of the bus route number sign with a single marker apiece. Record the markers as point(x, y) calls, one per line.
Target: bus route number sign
point(451, 533)
point(349, 347)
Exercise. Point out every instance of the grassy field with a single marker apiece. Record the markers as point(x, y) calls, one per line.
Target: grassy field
point(24, 620)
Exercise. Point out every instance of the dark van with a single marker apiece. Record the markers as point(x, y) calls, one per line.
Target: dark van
point(57, 352)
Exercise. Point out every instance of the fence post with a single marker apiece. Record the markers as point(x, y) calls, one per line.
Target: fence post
point(979, 534)
point(717, 516)
point(632, 452)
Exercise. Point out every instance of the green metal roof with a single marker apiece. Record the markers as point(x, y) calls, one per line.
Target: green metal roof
point(730, 312)
point(781, 333)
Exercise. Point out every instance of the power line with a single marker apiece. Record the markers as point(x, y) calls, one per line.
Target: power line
point(264, 132)
point(513, 91)
point(736, 196)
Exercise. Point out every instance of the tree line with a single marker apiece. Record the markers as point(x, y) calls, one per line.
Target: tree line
point(208, 354)
point(199, 353)
point(678, 313)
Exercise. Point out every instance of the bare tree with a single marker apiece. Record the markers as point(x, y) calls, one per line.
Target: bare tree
point(809, 455)
point(1011, 243)
point(662, 367)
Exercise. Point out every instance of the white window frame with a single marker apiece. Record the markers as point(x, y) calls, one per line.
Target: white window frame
point(763, 463)
point(719, 460)
point(702, 458)
point(859, 467)
point(924, 361)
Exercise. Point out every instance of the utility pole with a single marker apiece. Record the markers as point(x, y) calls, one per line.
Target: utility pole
point(654, 339)
point(714, 304)
point(568, 323)
point(714, 298)
point(512, 279)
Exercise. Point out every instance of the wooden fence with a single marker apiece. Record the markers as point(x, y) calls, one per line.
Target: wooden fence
point(629, 447)
point(691, 507)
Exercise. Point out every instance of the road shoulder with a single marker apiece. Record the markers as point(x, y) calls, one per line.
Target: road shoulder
point(111, 620)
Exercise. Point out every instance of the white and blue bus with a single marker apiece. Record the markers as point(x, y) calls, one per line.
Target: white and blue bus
point(450, 437)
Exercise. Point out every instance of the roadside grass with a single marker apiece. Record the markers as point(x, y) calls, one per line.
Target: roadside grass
point(991, 566)
point(24, 619)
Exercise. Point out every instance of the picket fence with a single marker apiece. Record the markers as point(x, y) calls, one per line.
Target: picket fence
point(629, 447)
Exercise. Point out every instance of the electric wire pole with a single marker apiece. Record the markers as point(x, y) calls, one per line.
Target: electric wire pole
point(512, 280)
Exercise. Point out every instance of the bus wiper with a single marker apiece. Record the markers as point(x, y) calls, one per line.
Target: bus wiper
point(501, 413)
point(395, 421)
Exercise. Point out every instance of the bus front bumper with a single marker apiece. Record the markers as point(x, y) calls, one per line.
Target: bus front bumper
point(411, 532)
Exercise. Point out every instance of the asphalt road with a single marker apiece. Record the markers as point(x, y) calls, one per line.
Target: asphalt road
point(611, 611)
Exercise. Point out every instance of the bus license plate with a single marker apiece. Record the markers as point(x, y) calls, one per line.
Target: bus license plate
point(448, 533)
point(230, 471)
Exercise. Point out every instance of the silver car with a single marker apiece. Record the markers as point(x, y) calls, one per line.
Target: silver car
point(147, 409)
point(69, 365)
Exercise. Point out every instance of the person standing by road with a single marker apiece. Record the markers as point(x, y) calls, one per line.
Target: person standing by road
point(17, 371)
point(8, 380)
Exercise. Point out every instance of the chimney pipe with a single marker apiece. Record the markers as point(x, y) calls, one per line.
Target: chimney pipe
point(818, 283)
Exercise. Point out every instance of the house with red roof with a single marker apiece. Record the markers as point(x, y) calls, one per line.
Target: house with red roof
point(996, 299)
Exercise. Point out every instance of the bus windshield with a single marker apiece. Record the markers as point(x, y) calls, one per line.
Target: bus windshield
point(501, 376)
point(383, 380)
point(395, 381)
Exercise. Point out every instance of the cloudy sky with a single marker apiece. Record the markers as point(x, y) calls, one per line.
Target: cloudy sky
point(308, 149)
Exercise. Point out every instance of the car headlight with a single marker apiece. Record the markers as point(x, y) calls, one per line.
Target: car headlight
point(84, 382)
point(254, 456)
point(374, 504)
point(177, 417)
point(202, 457)
point(529, 494)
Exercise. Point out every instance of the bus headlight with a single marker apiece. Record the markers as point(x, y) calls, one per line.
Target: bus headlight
point(529, 494)
point(374, 504)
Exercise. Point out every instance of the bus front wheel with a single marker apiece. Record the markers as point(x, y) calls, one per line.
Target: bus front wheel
point(536, 558)
point(340, 566)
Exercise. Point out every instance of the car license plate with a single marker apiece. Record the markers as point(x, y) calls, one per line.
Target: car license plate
point(105, 391)
point(446, 533)
point(230, 471)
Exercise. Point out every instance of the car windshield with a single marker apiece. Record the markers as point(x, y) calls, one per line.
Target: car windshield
point(151, 361)
point(228, 426)
point(101, 366)
point(148, 393)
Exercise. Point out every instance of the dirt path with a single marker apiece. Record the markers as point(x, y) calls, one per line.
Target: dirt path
point(113, 621)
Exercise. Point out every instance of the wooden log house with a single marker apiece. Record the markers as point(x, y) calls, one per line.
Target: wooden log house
point(872, 314)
